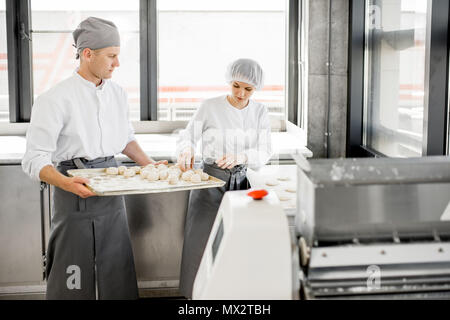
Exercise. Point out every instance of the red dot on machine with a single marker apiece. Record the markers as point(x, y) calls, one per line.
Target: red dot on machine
point(258, 194)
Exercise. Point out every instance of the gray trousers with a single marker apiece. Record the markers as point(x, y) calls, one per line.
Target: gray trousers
point(202, 211)
point(89, 253)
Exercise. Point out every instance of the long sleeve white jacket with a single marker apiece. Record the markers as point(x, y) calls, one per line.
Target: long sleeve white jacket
point(223, 129)
point(77, 119)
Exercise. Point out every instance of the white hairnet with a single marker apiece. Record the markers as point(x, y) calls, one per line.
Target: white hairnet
point(246, 70)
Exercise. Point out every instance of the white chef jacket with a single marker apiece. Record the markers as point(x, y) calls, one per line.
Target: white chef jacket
point(76, 119)
point(223, 129)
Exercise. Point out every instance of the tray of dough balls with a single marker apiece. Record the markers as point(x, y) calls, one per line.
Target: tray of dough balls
point(123, 180)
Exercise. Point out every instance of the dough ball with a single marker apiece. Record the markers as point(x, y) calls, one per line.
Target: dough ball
point(112, 170)
point(129, 173)
point(150, 166)
point(163, 174)
point(204, 176)
point(122, 169)
point(272, 183)
point(186, 176)
point(174, 171)
point(198, 171)
point(161, 167)
point(195, 178)
point(283, 178)
point(137, 169)
point(291, 190)
point(153, 176)
point(144, 173)
point(173, 179)
point(282, 197)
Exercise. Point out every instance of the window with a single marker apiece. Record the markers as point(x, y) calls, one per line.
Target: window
point(4, 95)
point(398, 78)
point(395, 70)
point(198, 39)
point(54, 55)
point(174, 53)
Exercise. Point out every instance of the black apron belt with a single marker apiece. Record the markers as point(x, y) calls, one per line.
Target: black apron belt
point(82, 163)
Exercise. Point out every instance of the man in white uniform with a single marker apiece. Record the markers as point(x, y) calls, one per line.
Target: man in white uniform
point(83, 122)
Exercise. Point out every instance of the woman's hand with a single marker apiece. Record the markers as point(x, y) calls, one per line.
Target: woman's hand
point(186, 160)
point(229, 161)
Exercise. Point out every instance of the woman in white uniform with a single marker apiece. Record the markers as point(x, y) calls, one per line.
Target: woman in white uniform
point(234, 132)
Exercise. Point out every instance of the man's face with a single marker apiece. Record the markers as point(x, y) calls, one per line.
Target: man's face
point(102, 62)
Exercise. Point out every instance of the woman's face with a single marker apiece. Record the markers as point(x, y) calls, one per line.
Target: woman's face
point(241, 92)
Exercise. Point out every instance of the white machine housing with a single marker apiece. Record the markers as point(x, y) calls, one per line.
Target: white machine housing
point(248, 253)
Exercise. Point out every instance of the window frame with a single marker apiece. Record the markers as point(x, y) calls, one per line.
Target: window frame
point(148, 65)
point(293, 58)
point(19, 55)
point(20, 67)
point(435, 137)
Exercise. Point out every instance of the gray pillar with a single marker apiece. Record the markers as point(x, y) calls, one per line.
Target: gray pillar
point(318, 76)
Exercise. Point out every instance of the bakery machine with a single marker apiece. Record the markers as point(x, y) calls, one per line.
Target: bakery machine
point(374, 228)
point(248, 250)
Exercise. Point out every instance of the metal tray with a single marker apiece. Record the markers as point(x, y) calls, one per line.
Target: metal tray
point(113, 185)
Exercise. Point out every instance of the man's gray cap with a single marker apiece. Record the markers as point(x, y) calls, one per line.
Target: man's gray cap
point(95, 33)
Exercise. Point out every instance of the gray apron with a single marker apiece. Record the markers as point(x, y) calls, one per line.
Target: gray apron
point(202, 211)
point(89, 253)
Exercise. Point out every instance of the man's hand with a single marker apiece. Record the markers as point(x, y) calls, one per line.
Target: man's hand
point(135, 153)
point(229, 161)
point(160, 162)
point(186, 159)
point(76, 186)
